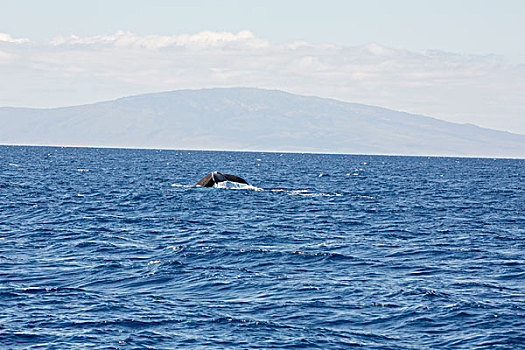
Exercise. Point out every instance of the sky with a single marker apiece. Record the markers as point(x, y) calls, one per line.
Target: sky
point(461, 61)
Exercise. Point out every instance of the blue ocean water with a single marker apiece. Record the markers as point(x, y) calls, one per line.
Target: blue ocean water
point(116, 249)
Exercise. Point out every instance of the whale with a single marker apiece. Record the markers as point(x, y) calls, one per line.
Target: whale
point(216, 177)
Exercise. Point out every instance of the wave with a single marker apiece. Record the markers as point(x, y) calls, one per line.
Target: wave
point(240, 186)
point(236, 186)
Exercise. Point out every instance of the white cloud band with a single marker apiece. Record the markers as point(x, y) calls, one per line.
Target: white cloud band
point(204, 39)
point(6, 38)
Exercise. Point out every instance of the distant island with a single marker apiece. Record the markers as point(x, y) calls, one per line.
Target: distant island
point(251, 119)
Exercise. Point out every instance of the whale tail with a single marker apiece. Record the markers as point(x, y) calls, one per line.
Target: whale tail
point(216, 177)
point(235, 178)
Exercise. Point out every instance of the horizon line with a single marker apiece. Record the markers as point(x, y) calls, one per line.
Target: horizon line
point(138, 148)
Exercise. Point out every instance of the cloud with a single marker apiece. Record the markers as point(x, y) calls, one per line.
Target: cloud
point(6, 38)
point(204, 39)
point(483, 90)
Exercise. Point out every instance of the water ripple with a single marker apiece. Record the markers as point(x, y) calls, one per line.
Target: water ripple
point(109, 248)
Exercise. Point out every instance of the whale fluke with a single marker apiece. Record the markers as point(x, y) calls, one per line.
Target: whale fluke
point(216, 177)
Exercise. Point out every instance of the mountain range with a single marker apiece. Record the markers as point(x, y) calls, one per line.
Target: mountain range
point(251, 119)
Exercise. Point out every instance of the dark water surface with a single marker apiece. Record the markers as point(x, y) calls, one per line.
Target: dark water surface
point(109, 248)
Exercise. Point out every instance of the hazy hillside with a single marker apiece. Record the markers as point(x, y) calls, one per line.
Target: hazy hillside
point(251, 119)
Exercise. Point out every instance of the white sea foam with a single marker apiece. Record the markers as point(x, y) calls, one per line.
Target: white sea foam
point(240, 186)
point(180, 185)
point(236, 186)
point(307, 193)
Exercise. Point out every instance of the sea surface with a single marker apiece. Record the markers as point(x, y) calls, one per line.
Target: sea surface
point(117, 249)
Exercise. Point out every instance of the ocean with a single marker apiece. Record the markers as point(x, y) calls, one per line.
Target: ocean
point(117, 249)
